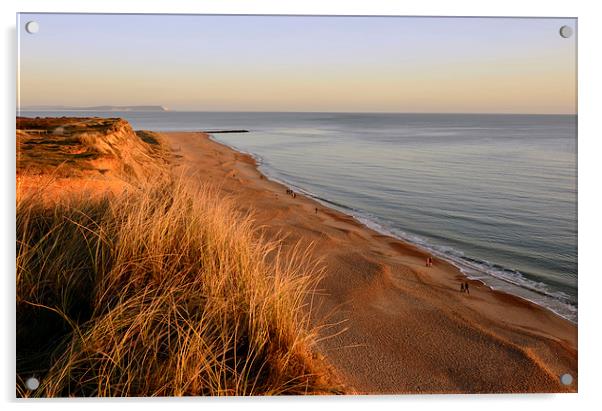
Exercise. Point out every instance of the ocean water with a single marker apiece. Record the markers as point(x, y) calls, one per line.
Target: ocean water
point(494, 194)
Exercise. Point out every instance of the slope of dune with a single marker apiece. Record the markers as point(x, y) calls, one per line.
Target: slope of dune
point(133, 281)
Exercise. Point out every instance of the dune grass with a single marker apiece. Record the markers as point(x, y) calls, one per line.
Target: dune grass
point(159, 291)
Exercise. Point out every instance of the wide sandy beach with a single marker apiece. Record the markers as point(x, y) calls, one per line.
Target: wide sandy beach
point(391, 324)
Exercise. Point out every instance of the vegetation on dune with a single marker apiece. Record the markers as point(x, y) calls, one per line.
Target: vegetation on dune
point(158, 292)
point(160, 289)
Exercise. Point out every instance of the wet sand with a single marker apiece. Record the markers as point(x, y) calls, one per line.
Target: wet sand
point(396, 326)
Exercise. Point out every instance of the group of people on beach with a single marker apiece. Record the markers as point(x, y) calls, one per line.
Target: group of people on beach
point(463, 285)
point(294, 195)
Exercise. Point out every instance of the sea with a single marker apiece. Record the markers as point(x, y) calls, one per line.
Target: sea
point(494, 194)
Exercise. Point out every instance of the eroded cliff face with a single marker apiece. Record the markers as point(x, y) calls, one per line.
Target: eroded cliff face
point(94, 153)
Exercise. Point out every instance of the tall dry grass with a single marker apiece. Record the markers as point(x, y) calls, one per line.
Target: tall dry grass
point(160, 291)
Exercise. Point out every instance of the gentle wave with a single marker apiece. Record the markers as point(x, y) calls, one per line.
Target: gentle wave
point(492, 275)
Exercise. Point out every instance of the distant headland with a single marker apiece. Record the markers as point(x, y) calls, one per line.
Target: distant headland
point(95, 108)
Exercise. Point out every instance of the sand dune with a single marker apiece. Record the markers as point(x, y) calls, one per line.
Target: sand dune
point(134, 282)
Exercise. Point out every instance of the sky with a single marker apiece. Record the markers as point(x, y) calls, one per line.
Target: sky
point(299, 63)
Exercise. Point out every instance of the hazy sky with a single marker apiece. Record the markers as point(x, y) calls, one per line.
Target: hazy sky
point(281, 63)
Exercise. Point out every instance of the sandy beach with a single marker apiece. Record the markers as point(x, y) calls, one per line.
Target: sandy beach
point(391, 324)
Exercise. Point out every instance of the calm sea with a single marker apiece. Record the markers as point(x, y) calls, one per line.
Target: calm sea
point(494, 194)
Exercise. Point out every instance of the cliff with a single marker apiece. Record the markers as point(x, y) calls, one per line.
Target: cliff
point(91, 149)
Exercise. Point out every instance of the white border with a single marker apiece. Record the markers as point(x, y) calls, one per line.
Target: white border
point(590, 176)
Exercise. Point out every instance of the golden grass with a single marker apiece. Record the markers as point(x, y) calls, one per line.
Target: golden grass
point(159, 291)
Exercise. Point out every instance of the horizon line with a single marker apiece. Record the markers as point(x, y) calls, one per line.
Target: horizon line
point(26, 109)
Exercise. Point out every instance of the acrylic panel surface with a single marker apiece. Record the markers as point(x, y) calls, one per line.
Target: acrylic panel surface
point(260, 205)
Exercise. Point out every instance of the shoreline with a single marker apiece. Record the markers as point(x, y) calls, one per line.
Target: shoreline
point(372, 225)
point(395, 276)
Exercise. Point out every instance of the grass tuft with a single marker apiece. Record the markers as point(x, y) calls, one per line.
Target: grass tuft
point(165, 290)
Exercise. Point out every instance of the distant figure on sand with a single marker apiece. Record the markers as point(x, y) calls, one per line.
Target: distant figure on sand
point(466, 288)
point(429, 262)
point(316, 210)
point(461, 287)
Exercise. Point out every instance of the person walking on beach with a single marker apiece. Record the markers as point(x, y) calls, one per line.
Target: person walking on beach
point(316, 210)
point(466, 288)
point(461, 287)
